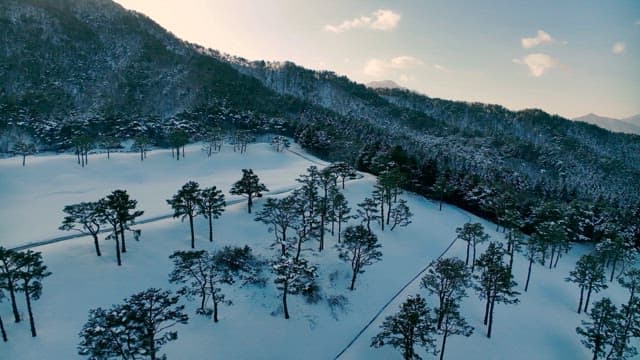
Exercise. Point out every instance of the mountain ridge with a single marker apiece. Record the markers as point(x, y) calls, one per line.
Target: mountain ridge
point(617, 125)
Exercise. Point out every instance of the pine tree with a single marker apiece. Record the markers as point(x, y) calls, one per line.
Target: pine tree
point(344, 171)
point(185, 205)
point(281, 215)
point(137, 328)
point(118, 208)
point(589, 276)
point(141, 144)
point(473, 234)
point(448, 279)
point(360, 248)
point(32, 272)
point(452, 324)
point(191, 267)
point(10, 269)
point(86, 218)
point(629, 316)
point(411, 326)
point(441, 188)
point(211, 205)
point(24, 149)
point(368, 212)
point(400, 214)
point(178, 138)
point(341, 210)
point(533, 250)
point(110, 143)
point(494, 282)
point(293, 276)
point(249, 186)
point(326, 184)
point(604, 321)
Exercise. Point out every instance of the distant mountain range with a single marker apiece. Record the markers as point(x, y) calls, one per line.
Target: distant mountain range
point(384, 84)
point(68, 66)
point(630, 125)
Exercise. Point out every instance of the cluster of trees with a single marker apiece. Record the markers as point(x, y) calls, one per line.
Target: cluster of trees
point(135, 329)
point(610, 332)
point(203, 273)
point(318, 208)
point(21, 272)
point(117, 211)
point(191, 201)
point(448, 280)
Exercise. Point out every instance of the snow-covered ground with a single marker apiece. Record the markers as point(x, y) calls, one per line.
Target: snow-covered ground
point(542, 326)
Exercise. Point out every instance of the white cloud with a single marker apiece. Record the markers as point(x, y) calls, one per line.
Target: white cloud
point(541, 38)
point(378, 20)
point(442, 68)
point(618, 47)
point(537, 63)
point(377, 68)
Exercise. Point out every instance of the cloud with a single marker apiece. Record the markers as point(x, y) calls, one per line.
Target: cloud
point(541, 38)
point(442, 68)
point(618, 48)
point(382, 19)
point(377, 67)
point(537, 63)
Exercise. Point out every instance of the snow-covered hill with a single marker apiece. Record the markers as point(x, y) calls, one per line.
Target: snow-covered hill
point(541, 327)
point(616, 125)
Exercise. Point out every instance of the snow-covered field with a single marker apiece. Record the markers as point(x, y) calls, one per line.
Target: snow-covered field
point(542, 326)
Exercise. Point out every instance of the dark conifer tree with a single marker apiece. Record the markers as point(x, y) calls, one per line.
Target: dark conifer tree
point(281, 215)
point(589, 276)
point(326, 183)
point(341, 211)
point(473, 234)
point(400, 214)
point(368, 212)
point(448, 279)
point(24, 149)
point(597, 333)
point(119, 206)
point(494, 282)
point(2, 330)
point(452, 324)
point(10, 269)
point(185, 205)
point(86, 218)
point(293, 276)
point(249, 186)
point(211, 205)
point(360, 247)
point(32, 272)
point(533, 250)
point(411, 326)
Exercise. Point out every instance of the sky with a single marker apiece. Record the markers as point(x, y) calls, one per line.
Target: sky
point(567, 57)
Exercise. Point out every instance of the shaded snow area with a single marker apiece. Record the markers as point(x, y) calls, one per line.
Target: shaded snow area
point(542, 326)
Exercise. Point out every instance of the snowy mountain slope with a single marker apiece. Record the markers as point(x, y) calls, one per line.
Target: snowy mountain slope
point(616, 125)
point(253, 328)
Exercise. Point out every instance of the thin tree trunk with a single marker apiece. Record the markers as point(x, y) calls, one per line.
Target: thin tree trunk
point(526, 285)
point(108, 154)
point(473, 264)
point(581, 297)
point(4, 333)
point(32, 323)
point(339, 229)
point(210, 228)
point(555, 264)
point(14, 305)
point(24, 158)
point(444, 342)
point(613, 270)
point(284, 299)
point(322, 215)
point(193, 239)
point(249, 203)
point(96, 244)
point(553, 252)
point(586, 303)
point(124, 245)
point(203, 298)
point(491, 318)
point(118, 257)
point(215, 310)
point(353, 279)
point(466, 261)
point(486, 309)
point(382, 210)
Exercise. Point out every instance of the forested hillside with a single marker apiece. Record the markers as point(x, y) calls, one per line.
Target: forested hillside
point(76, 73)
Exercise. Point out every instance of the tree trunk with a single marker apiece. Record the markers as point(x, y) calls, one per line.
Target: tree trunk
point(586, 303)
point(581, 297)
point(284, 299)
point(24, 158)
point(526, 285)
point(613, 270)
point(96, 244)
point(215, 310)
point(353, 280)
point(249, 203)
point(118, 257)
point(491, 318)
point(382, 210)
point(466, 261)
point(203, 297)
point(322, 215)
point(4, 333)
point(444, 342)
point(108, 154)
point(178, 153)
point(32, 323)
point(152, 346)
point(440, 205)
point(14, 305)
point(210, 228)
point(473, 263)
point(486, 309)
point(553, 252)
point(124, 245)
point(193, 239)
